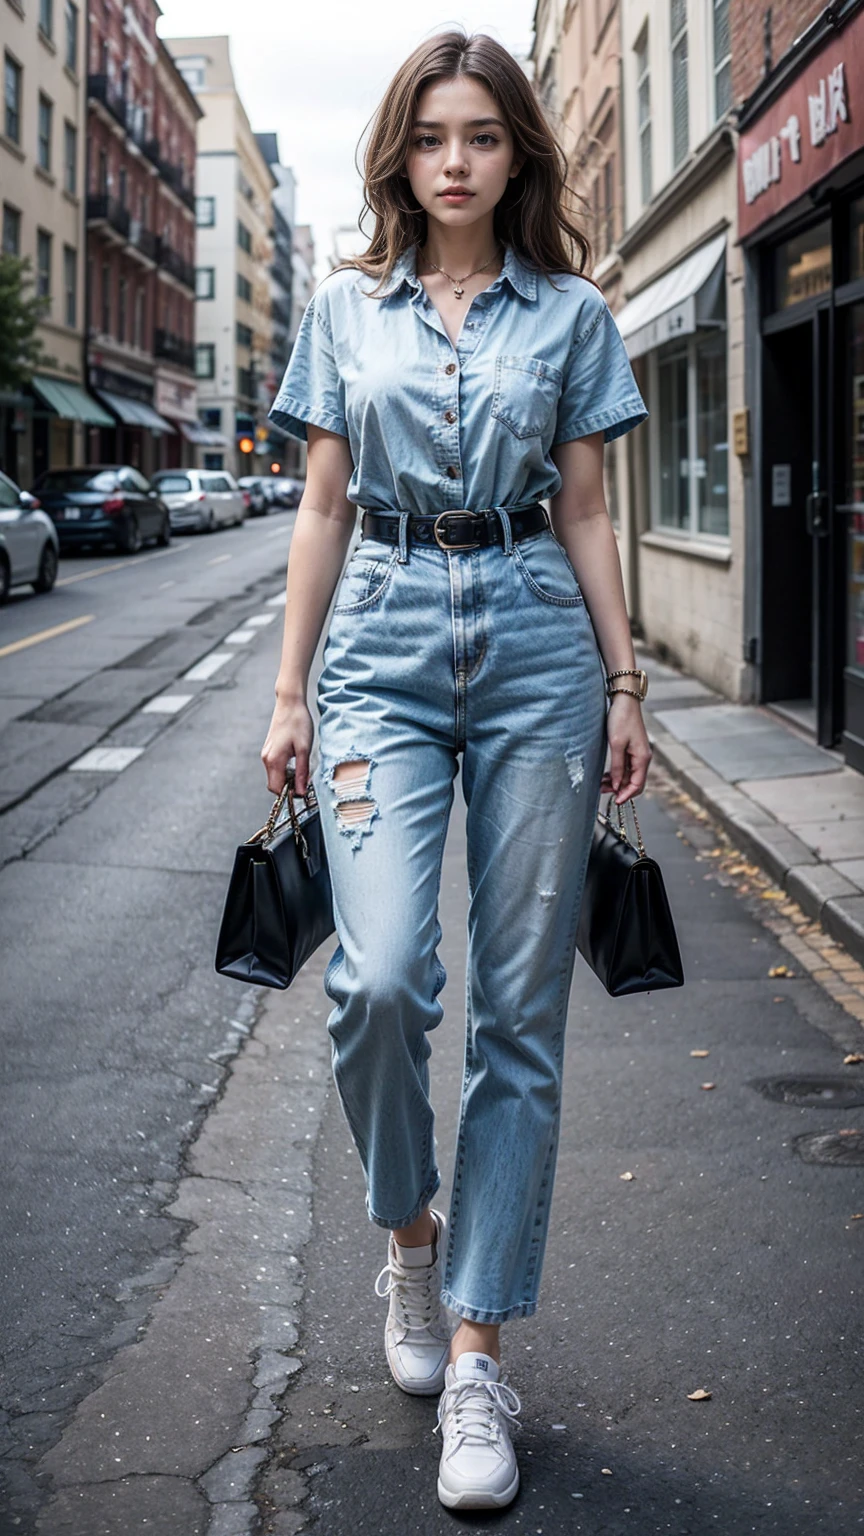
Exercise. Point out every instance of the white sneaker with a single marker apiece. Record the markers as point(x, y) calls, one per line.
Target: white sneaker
point(417, 1333)
point(478, 1467)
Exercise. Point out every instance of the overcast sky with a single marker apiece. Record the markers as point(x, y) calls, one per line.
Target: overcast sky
point(314, 74)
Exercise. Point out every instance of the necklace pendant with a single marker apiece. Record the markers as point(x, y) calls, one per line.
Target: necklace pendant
point(458, 292)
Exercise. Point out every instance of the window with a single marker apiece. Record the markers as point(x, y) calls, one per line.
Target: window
point(70, 285)
point(691, 436)
point(244, 383)
point(244, 288)
point(11, 230)
point(46, 17)
point(722, 59)
point(205, 360)
point(205, 282)
point(121, 310)
point(106, 298)
point(205, 212)
point(71, 37)
point(46, 113)
point(43, 264)
point(643, 93)
point(211, 417)
point(12, 88)
point(244, 335)
point(123, 186)
point(70, 158)
point(680, 102)
point(244, 237)
point(138, 338)
point(213, 460)
point(103, 172)
point(802, 266)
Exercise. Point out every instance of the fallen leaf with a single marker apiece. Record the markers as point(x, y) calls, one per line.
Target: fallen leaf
point(707, 1085)
point(773, 896)
point(780, 970)
point(699, 1396)
point(700, 1053)
point(626, 1175)
point(858, 1216)
point(778, 999)
point(853, 1059)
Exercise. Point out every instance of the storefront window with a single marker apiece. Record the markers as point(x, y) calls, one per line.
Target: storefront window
point(855, 490)
point(802, 266)
point(674, 510)
point(712, 447)
point(692, 477)
point(856, 238)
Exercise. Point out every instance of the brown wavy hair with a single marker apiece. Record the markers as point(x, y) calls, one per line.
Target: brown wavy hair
point(534, 213)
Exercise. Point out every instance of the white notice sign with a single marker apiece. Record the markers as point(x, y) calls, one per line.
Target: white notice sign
point(781, 485)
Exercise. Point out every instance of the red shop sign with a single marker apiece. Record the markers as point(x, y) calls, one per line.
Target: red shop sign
point(816, 124)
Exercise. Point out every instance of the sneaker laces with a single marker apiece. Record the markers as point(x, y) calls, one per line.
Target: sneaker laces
point(475, 1406)
point(416, 1291)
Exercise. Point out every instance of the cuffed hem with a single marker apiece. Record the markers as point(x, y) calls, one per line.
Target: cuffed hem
point(479, 1315)
point(405, 1221)
point(291, 415)
point(614, 422)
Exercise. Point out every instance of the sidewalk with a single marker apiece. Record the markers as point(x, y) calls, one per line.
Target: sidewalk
point(794, 807)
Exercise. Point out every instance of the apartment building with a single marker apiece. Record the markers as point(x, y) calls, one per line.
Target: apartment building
point(42, 190)
point(233, 260)
point(140, 240)
point(281, 292)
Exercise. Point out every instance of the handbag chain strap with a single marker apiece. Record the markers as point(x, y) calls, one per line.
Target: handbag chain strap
point(287, 793)
point(622, 830)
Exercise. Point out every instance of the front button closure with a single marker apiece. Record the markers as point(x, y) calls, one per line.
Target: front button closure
point(452, 472)
point(449, 416)
point(451, 368)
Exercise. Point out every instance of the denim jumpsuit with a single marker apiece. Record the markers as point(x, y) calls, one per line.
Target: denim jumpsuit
point(486, 653)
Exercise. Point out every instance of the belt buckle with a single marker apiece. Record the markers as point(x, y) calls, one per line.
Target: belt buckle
point(456, 512)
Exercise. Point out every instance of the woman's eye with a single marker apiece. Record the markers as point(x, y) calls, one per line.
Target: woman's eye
point(425, 137)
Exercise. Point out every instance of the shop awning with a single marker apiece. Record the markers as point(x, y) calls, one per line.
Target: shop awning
point(134, 413)
point(202, 437)
point(70, 401)
point(678, 303)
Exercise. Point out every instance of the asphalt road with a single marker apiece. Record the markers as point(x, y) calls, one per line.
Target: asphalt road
point(191, 1343)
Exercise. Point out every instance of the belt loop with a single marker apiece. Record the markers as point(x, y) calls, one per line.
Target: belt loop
point(402, 556)
point(504, 518)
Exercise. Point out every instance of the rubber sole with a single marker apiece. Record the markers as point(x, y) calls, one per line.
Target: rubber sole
point(478, 1498)
point(432, 1388)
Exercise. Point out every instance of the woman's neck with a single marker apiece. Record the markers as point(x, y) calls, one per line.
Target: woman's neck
point(459, 258)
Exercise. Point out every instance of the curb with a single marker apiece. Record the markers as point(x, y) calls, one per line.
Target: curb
point(819, 889)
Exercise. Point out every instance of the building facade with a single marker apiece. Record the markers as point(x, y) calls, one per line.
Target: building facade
point(233, 260)
point(280, 445)
point(140, 240)
point(42, 189)
point(801, 224)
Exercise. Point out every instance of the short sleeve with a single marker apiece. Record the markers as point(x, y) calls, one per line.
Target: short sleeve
point(600, 392)
point(311, 388)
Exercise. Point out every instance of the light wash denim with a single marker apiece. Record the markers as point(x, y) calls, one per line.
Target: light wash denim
point(433, 428)
point(489, 654)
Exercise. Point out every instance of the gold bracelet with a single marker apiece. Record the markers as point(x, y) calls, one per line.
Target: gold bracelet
point(632, 692)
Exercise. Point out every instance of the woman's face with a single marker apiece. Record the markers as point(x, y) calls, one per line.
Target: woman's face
point(459, 139)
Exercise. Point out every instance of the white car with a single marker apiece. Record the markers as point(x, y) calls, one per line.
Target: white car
point(203, 499)
point(29, 546)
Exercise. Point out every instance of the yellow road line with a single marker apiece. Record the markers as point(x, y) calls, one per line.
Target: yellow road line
point(45, 634)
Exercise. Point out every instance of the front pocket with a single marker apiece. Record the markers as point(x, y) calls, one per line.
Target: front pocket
point(364, 581)
point(527, 391)
point(545, 568)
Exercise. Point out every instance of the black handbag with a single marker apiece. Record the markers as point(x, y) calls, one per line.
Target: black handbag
point(279, 905)
point(626, 932)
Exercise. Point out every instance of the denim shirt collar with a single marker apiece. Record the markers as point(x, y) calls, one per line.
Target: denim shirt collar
point(521, 278)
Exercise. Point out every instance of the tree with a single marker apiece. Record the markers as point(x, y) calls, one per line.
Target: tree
point(21, 350)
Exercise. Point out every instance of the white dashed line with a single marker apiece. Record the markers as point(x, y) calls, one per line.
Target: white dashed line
point(239, 637)
point(106, 759)
point(278, 601)
point(217, 560)
point(167, 703)
point(207, 666)
point(258, 619)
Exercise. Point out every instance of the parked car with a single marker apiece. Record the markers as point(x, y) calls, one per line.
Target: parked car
point(29, 546)
point(253, 485)
point(287, 492)
point(201, 499)
point(103, 504)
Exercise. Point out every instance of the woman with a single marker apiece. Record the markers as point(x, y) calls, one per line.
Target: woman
point(462, 366)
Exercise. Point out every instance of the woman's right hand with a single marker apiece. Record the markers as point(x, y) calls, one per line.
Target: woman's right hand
point(290, 735)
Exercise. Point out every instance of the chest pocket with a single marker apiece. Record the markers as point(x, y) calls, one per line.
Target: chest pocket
point(527, 391)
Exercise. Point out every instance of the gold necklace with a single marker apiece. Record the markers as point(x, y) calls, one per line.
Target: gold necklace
point(457, 282)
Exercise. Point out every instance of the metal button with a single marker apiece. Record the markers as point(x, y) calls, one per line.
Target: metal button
point(451, 368)
point(452, 472)
point(449, 415)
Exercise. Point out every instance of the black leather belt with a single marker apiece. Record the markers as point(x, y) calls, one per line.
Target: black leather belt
point(460, 529)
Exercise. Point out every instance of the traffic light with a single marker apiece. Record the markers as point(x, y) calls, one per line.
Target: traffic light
point(275, 469)
point(245, 443)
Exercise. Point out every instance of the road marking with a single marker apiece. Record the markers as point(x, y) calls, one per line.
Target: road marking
point(207, 666)
point(107, 759)
point(167, 703)
point(164, 584)
point(239, 637)
point(278, 601)
point(45, 634)
point(260, 618)
point(121, 565)
point(219, 558)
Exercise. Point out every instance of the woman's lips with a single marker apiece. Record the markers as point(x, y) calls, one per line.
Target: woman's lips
point(457, 197)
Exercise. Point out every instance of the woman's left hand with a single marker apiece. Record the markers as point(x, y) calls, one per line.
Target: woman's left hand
point(628, 743)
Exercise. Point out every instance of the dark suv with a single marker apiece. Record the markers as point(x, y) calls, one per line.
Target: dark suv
point(103, 504)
